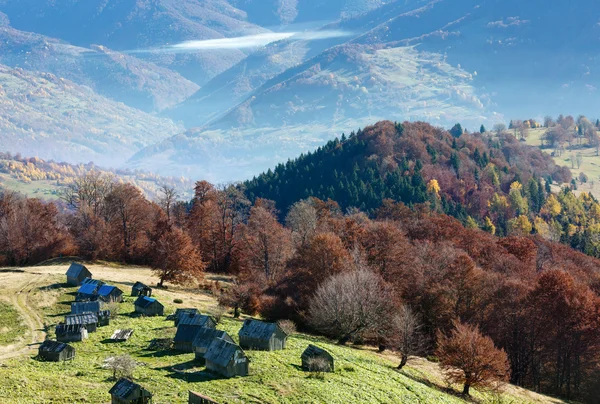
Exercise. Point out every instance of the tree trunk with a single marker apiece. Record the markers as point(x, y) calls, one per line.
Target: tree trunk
point(344, 340)
point(236, 312)
point(402, 361)
point(466, 389)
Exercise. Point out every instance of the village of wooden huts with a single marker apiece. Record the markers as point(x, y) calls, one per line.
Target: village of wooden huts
point(313, 357)
point(262, 336)
point(139, 289)
point(127, 392)
point(148, 306)
point(89, 320)
point(88, 291)
point(121, 335)
point(109, 293)
point(197, 398)
point(204, 338)
point(55, 351)
point(226, 359)
point(71, 333)
point(77, 273)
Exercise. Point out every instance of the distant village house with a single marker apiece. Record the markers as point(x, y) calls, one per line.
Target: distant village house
point(148, 306)
point(71, 333)
point(127, 392)
point(262, 336)
point(204, 338)
point(55, 351)
point(77, 273)
point(139, 289)
point(226, 359)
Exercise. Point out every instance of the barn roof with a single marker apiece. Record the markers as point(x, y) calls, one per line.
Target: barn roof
point(205, 337)
point(195, 319)
point(91, 281)
point(124, 388)
point(53, 346)
point(258, 329)
point(313, 350)
point(85, 307)
point(221, 352)
point(186, 333)
point(122, 334)
point(62, 329)
point(140, 286)
point(145, 301)
point(107, 290)
point(85, 318)
point(87, 289)
point(75, 270)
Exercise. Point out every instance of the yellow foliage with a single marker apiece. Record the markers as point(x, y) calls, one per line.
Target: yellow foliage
point(433, 187)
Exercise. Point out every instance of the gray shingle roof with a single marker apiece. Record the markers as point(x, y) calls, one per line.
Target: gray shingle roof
point(145, 301)
point(140, 286)
point(221, 352)
point(85, 307)
point(53, 346)
point(85, 318)
point(122, 335)
point(63, 329)
point(205, 337)
point(124, 388)
point(257, 329)
point(186, 333)
point(75, 270)
point(195, 319)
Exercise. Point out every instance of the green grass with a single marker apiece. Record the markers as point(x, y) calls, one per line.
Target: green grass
point(361, 376)
point(11, 325)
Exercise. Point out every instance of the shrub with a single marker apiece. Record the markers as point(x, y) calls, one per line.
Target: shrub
point(121, 366)
point(177, 301)
point(114, 308)
point(217, 312)
point(288, 326)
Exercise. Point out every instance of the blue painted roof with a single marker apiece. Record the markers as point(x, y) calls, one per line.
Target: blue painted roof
point(87, 289)
point(106, 290)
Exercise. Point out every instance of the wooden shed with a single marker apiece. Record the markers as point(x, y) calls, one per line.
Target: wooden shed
point(148, 306)
point(226, 359)
point(71, 333)
point(180, 313)
point(109, 293)
point(197, 319)
point(262, 336)
point(121, 335)
point(313, 353)
point(88, 291)
point(204, 338)
point(127, 392)
point(76, 274)
point(89, 320)
point(55, 351)
point(139, 289)
point(85, 307)
point(197, 398)
point(103, 318)
point(185, 335)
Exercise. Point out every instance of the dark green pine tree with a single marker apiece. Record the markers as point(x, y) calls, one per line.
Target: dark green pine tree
point(456, 130)
point(482, 129)
point(455, 162)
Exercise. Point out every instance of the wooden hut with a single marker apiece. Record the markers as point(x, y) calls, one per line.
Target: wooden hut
point(127, 392)
point(71, 333)
point(103, 318)
point(85, 307)
point(180, 313)
point(88, 291)
point(313, 353)
point(185, 335)
point(262, 336)
point(76, 274)
point(109, 293)
point(55, 351)
point(197, 398)
point(148, 306)
point(89, 320)
point(226, 359)
point(204, 338)
point(200, 320)
point(139, 289)
point(121, 335)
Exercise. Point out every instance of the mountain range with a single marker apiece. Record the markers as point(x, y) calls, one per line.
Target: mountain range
point(228, 110)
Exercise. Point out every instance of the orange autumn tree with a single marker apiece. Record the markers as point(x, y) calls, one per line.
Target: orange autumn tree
point(470, 358)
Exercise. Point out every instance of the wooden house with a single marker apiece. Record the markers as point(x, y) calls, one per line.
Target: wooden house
point(226, 359)
point(262, 336)
point(85, 307)
point(200, 320)
point(89, 320)
point(103, 318)
point(76, 274)
point(313, 353)
point(71, 333)
point(88, 291)
point(139, 289)
point(121, 335)
point(55, 351)
point(127, 392)
point(185, 335)
point(204, 338)
point(148, 306)
point(180, 313)
point(197, 398)
point(109, 293)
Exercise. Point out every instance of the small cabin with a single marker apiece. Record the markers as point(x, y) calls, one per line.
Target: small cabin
point(185, 335)
point(197, 398)
point(180, 313)
point(148, 306)
point(313, 353)
point(108, 293)
point(89, 320)
point(204, 338)
point(262, 336)
point(127, 392)
point(226, 359)
point(121, 335)
point(103, 318)
point(55, 351)
point(88, 291)
point(71, 333)
point(85, 307)
point(139, 289)
point(76, 274)
point(200, 320)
